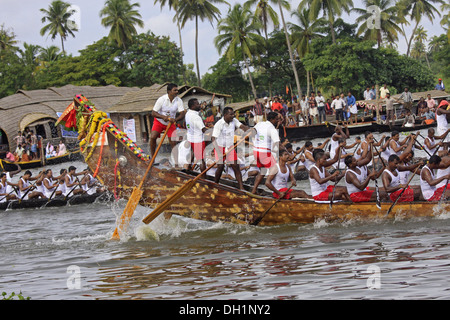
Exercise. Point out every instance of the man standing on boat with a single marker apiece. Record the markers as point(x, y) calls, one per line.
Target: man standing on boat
point(195, 130)
point(351, 103)
point(278, 178)
point(223, 139)
point(266, 140)
point(165, 111)
point(441, 119)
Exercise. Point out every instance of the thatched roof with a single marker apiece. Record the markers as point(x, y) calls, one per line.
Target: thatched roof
point(435, 94)
point(242, 106)
point(143, 101)
point(25, 107)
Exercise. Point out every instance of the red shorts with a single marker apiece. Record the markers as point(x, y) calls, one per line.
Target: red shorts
point(363, 196)
point(264, 159)
point(199, 150)
point(324, 195)
point(158, 126)
point(437, 194)
point(407, 196)
point(287, 196)
point(230, 157)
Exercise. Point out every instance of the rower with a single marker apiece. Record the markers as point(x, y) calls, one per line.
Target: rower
point(62, 181)
point(319, 177)
point(430, 141)
point(357, 179)
point(444, 169)
point(11, 186)
point(266, 140)
point(50, 184)
point(279, 176)
point(165, 111)
point(395, 145)
point(309, 158)
point(223, 139)
point(195, 130)
point(391, 181)
point(24, 185)
point(4, 194)
point(428, 181)
point(293, 162)
point(90, 184)
point(71, 182)
point(365, 148)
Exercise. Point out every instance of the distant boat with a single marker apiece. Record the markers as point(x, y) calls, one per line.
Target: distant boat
point(69, 156)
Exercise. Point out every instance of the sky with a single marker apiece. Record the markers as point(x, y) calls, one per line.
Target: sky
point(24, 18)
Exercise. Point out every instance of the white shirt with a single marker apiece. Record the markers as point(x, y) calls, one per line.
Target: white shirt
point(320, 101)
point(367, 95)
point(166, 108)
point(266, 136)
point(194, 125)
point(224, 132)
point(338, 104)
point(317, 188)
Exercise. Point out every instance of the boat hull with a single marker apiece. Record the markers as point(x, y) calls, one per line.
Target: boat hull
point(12, 166)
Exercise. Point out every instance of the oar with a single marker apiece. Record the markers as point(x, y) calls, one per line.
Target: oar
point(136, 195)
point(78, 185)
point(7, 196)
point(335, 183)
point(401, 193)
point(29, 189)
point(435, 151)
point(185, 188)
point(377, 190)
point(257, 221)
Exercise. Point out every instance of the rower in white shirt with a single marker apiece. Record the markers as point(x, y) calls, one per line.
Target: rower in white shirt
point(223, 140)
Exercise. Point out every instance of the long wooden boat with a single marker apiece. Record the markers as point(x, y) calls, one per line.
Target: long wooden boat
point(55, 202)
point(69, 156)
point(120, 165)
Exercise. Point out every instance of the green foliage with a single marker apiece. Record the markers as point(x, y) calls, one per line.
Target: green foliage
point(13, 295)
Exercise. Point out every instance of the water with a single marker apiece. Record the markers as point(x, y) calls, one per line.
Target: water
point(66, 254)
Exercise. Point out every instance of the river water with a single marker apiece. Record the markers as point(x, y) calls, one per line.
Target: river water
point(66, 254)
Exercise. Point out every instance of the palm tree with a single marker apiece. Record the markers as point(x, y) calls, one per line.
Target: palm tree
point(265, 13)
point(415, 10)
point(7, 40)
point(238, 30)
point(173, 4)
point(389, 21)
point(445, 22)
point(420, 38)
point(330, 8)
point(302, 34)
point(195, 10)
point(122, 17)
point(59, 23)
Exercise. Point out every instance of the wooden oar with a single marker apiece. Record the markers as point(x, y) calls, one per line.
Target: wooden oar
point(7, 195)
point(335, 183)
point(377, 190)
point(29, 189)
point(401, 193)
point(136, 195)
point(185, 188)
point(257, 221)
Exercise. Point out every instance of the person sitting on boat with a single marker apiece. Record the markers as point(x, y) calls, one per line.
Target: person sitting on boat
point(19, 152)
point(319, 178)
point(62, 149)
point(50, 185)
point(429, 182)
point(4, 194)
point(278, 178)
point(62, 181)
point(410, 119)
point(72, 182)
point(11, 186)
point(395, 145)
point(25, 188)
point(430, 141)
point(391, 181)
point(357, 179)
point(266, 140)
point(223, 139)
point(165, 111)
point(293, 161)
point(90, 184)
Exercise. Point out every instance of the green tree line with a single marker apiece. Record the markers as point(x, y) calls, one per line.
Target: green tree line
point(309, 48)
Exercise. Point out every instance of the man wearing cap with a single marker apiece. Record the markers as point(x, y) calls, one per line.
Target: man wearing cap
point(440, 85)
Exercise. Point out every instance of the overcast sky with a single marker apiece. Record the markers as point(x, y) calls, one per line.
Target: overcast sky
point(24, 18)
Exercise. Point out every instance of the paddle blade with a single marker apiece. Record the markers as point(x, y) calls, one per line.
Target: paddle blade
point(128, 212)
point(168, 202)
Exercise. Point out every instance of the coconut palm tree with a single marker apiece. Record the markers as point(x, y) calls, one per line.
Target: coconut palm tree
point(265, 13)
point(58, 17)
point(238, 30)
point(7, 40)
point(389, 21)
point(195, 10)
point(173, 4)
point(330, 9)
point(302, 34)
point(122, 17)
point(415, 10)
point(420, 39)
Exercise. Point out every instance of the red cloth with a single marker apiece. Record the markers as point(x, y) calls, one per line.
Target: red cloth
point(363, 196)
point(438, 194)
point(199, 150)
point(276, 106)
point(324, 196)
point(407, 196)
point(159, 127)
point(264, 159)
point(283, 190)
point(230, 157)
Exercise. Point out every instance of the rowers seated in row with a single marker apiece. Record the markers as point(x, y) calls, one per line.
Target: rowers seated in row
point(319, 178)
point(430, 141)
point(50, 184)
point(279, 176)
point(25, 187)
point(4, 194)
